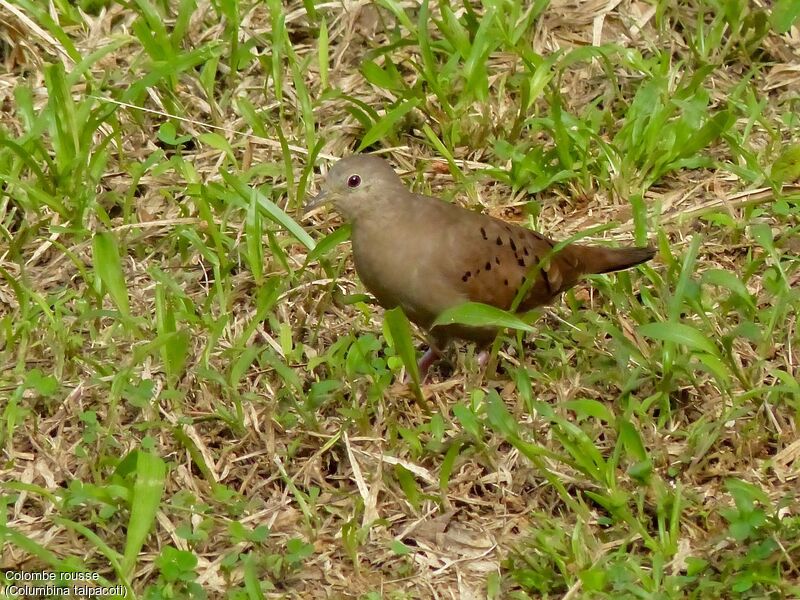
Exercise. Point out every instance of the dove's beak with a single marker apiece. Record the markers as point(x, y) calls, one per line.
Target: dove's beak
point(315, 202)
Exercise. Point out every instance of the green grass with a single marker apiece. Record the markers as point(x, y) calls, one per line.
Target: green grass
point(197, 399)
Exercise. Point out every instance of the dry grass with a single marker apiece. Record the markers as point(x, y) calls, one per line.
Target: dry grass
point(353, 467)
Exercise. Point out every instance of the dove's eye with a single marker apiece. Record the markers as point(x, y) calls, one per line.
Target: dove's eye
point(354, 181)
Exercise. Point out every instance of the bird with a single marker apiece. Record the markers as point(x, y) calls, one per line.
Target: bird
point(427, 255)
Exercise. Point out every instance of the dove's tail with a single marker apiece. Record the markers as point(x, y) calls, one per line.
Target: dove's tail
point(599, 259)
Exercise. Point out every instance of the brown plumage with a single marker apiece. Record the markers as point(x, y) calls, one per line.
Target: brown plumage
point(426, 255)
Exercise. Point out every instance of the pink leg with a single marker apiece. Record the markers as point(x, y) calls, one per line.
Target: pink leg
point(426, 361)
point(424, 364)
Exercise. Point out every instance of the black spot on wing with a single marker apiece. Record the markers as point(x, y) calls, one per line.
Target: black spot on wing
point(466, 276)
point(483, 233)
point(488, 266)
point(499, 241)
point(545, 277)
point(547, 281)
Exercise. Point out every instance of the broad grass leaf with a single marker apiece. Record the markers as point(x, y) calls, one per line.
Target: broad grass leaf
point(399, 12)
point(254, 235)
point(329, 242)
point(175, 342)
point(710, 131)
point(272, 210)
point(787, 379)
point(632, 441)
point(679, 333)
point(454, 32)
point(385, 78)
point(685, 279)
point(25, 156)
point(446, 468)
point(634, 447)
point(149, 478)
point(587, 407)
point(499, 417)
point(729, 281)
point(409, 485)
point(716, 367)
point(476, 314)
point(168, 134)
point(218, 142)
point(399, 328)
point(762, 234)
point(468, 419)
point(581, 448)
point(323, 52)
point(386, 124)
point(242, 364)
point(784, 14)
point(475, 68)
point(786, 167)
point(108, 266)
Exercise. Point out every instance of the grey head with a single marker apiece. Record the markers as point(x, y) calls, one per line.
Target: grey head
point(357, 186)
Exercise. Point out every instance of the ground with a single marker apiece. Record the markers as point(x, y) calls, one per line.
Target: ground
point(199, 399)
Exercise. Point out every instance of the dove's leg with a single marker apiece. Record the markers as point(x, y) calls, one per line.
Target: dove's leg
point(438, 341)
point(424, 364)
point(430, 357)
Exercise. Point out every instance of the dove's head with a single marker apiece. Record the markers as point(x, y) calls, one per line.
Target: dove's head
point(357, 186)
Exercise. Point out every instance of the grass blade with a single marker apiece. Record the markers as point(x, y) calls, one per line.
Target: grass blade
point(272, 210)
point(386, 123)
point(476, 314)
point(399, 329)
point(149, 477)
point(679, 333)
point(108, 268)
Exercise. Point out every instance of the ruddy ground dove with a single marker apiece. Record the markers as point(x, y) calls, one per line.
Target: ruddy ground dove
point(427, 255)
